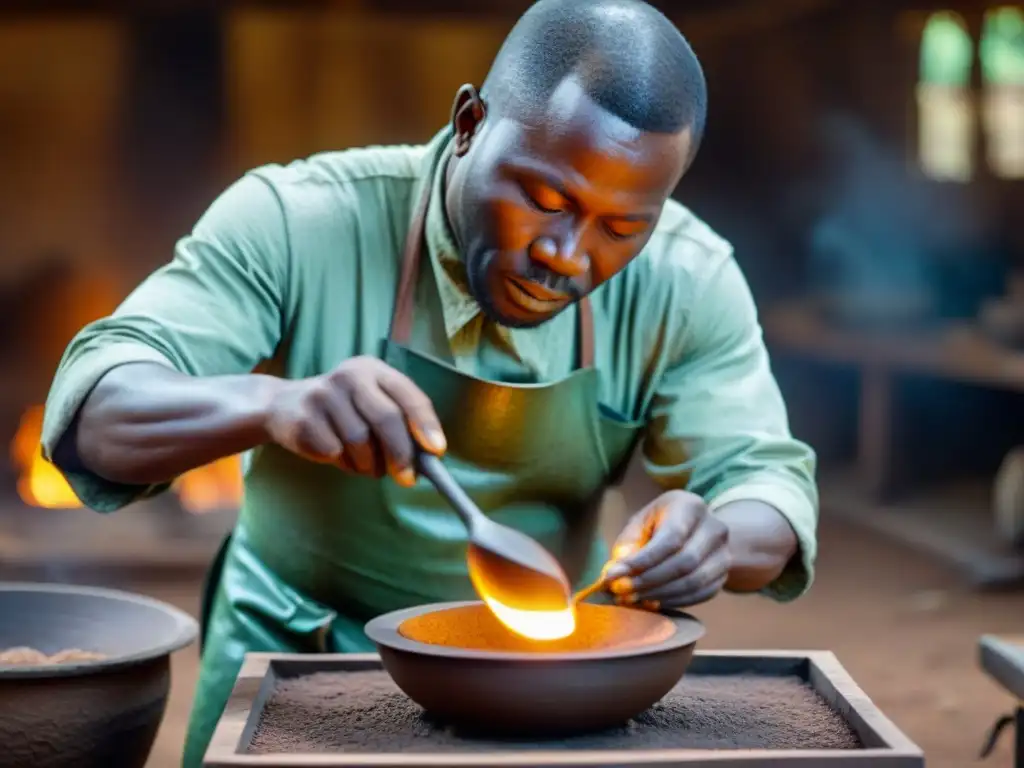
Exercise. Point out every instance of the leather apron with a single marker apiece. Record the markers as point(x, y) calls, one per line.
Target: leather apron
point(318, 552)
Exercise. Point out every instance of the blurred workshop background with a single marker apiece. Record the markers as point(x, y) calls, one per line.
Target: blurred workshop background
point(866, 159)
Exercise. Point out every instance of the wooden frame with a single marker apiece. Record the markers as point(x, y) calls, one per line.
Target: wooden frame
point(885, 745)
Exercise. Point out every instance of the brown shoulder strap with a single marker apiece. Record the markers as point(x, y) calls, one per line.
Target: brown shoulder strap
point(405, 300)
point(586, 321)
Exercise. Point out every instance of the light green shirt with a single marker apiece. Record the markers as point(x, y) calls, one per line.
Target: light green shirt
point(295, 268)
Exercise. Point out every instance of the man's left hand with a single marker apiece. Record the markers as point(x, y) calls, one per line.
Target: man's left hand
point(673, 553)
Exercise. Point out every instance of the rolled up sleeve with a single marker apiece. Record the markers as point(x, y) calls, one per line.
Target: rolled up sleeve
point(214, 309)
point(719, 427)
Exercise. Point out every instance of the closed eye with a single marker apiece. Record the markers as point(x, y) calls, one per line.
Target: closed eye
point(623, 229)
point(544, 198)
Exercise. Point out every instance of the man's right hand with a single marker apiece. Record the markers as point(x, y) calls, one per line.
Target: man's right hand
point(363, 416)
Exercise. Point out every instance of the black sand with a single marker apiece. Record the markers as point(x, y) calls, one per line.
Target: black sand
point(364, 712)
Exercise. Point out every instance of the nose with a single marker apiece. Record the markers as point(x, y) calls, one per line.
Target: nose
point(561, 258)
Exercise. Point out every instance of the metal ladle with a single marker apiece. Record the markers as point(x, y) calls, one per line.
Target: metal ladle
point(505, 564)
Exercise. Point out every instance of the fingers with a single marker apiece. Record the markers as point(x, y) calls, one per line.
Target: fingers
point(418, 410)
point(316, 441)
point(671, 531)
point(359, 454)
point(705, 540)
point(363, 416)
point(380, 415)
point(636, 534)
point(694, 588)
point(387, 422)
point(685, 561)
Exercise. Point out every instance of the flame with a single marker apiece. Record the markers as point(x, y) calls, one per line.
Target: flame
point(212, 487)
point(39, 482)
point(217, 485)
point(535, 625)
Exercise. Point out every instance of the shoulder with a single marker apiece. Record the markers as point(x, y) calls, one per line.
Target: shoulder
point(670, 272)
point(348, 179)
point(683, 250)
point(277, 200)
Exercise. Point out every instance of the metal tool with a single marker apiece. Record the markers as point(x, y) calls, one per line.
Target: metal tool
point(602, 580)
point(505, 565)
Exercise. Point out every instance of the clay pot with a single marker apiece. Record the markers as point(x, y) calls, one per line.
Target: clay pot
point(89, 714)
point(462, 666)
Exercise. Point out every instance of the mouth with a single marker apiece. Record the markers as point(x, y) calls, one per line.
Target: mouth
point(533, 297)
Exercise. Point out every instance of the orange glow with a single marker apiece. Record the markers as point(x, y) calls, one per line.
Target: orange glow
point(527, 603)
point(39, 482)
point(535, 625)
point(216, 486)
point(213, 487)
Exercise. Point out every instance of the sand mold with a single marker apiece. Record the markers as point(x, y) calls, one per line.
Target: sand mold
point(365, 712)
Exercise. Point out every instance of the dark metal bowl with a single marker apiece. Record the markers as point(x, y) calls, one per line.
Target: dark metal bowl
point(535, 692)
point(94, 714)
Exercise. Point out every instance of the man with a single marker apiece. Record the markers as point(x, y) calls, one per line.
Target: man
point(519, 295)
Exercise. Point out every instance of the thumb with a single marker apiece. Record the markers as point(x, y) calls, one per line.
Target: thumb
point(634, 536)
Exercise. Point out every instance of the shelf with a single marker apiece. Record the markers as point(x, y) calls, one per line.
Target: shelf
point(955, 352)
point(952, 523)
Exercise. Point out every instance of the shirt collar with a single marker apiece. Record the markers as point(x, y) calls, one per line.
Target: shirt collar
point(459, 306)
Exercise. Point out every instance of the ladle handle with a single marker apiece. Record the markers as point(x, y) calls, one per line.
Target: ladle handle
point(432, 468)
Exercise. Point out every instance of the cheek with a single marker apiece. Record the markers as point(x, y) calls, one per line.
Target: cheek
point(610, 260)
point(605, 266)
point(513, 228)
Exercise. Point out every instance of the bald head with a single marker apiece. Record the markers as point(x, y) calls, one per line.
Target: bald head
point(560, 166)
point(628, 57)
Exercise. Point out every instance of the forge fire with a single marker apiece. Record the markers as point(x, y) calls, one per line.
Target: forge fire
point(215, 486)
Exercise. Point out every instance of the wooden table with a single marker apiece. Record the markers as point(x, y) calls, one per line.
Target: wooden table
point(946, 522)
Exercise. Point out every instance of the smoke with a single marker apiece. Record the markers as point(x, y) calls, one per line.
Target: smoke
point(882, 226)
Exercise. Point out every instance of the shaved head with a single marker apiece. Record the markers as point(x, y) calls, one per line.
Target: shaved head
point(629, 58)
point(562, 162)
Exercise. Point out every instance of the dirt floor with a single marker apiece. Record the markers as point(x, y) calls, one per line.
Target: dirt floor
point(903, 627)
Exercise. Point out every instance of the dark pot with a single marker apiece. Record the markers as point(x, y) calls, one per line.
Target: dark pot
point(534, 689)
point(95, 714)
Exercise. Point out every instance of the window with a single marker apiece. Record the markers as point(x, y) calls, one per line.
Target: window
point(1002, 70)
point(945, 102)
point(950, 112)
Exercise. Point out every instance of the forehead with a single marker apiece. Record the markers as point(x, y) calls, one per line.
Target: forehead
point(587, 146)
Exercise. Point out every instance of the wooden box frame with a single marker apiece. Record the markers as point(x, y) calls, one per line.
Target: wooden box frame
point(885, 745)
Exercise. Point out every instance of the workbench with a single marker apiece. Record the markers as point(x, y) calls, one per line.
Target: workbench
point(1003, 659)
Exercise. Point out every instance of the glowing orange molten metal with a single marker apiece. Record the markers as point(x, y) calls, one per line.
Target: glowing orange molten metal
point(536, 625)
point(527, 603)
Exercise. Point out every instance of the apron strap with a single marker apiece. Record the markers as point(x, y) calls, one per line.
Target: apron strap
point(405, 301)
point(401, 319)
point(586, 320)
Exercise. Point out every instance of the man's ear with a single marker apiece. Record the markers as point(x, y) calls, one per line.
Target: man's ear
point(468, 112)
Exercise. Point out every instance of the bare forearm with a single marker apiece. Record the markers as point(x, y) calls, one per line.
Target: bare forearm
point(761, 542)
point(145, 423)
